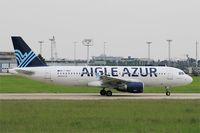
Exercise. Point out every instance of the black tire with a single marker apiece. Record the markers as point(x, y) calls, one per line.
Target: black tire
point(103, 92)
point(167, 93)
point(109, 93)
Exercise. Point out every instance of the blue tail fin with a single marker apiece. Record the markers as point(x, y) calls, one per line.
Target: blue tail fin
point(24, 55)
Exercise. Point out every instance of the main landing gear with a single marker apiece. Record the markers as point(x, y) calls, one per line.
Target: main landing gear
point(103, 92)
point(167, 91)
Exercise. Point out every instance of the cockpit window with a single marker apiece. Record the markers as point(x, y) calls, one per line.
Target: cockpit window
point(181, 73)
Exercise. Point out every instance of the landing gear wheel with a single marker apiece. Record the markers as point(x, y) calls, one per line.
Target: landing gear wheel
point(103, 92)
point(167, 88)
point(109, 93)
point(167, 93)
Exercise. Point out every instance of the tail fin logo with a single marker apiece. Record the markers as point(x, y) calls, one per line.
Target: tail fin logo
point(24, 59)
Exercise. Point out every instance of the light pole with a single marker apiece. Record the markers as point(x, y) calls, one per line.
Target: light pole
point(149, 50)
point(41, 42)
point(88, 43)
point(197, 54)
point(104, 52)
point(169, 51)
point(75, 52)
point(52, 42)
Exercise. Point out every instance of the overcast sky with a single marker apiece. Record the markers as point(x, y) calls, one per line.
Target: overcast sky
point(125, 25)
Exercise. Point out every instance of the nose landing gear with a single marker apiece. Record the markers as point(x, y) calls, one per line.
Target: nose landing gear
point(167, 91)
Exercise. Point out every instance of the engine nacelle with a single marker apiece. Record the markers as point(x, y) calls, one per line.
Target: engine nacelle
point(132, 87)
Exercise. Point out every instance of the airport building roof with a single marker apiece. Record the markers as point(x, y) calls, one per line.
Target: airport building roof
point(6, 57)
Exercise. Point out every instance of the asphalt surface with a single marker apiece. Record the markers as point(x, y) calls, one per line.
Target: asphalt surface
point(94, 96)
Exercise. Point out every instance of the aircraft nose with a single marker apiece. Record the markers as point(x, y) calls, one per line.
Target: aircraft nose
point(189, 79)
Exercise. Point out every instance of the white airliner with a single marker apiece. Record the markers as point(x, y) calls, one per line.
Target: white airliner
point(122, 78)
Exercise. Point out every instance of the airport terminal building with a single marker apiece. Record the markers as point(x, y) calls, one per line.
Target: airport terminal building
point(7, 60)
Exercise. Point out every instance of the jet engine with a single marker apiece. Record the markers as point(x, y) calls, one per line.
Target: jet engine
point(132, 87)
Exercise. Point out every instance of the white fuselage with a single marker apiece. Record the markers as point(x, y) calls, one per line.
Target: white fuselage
point(89, 75)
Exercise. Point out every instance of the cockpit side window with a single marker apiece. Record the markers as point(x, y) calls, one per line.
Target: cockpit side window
point(181, 73)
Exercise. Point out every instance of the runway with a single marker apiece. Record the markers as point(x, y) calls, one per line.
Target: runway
point(94, 96)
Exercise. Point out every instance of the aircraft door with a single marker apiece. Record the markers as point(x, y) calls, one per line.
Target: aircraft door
point(47, 76)
point(170, 76)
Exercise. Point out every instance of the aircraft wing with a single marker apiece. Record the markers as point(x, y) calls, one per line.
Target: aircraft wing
point(115, 82)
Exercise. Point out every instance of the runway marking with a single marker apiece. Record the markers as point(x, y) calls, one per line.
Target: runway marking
point(94, 96)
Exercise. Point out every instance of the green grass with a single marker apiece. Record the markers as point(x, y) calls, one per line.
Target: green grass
point(11, 83)
point(134, 116)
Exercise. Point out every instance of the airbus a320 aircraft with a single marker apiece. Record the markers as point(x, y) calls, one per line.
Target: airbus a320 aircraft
point(122, 78)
